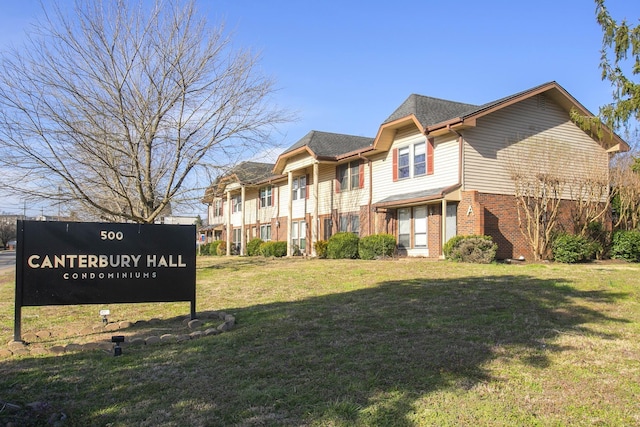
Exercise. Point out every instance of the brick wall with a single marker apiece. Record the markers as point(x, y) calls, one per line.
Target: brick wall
point(434, 230)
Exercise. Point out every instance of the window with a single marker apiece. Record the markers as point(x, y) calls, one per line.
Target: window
point(266, 197)
point(350, 176)
point(349, 223)
point(237, 240)
point(403, 163)
point(236, 202)
point(265, 232)
point(419, 159)
point(413, 160)
point(299, 188)
point(420, 227)
point(412, 227)
point(404, 228)
point(328, 228)
point(217, 207)
point(299, 235)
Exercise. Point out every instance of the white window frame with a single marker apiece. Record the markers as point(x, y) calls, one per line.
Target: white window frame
point(347, 178)
point(265, 232)
point(236, 202)
point(266, 196)
point(299, 188)
point(409, 160)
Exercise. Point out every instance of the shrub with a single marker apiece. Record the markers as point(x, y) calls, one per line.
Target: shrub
point(452, 243)
point(253, 247)
point(343, 245)
point(273, 249)
point(376, 246)
point(476, 249)
point(222, 248)
point(213, 247)
point(321, 248)
point(626, 245)
point(204, 249)
point(571, 248)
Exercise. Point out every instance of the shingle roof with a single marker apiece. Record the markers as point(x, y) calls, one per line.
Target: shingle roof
point(326, 144)
point(430, 111)
point(253, 172)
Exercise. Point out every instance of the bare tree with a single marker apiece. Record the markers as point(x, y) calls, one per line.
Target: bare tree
point(589, 195)
point(625, 191)
point(112, 110)
point(535, 167)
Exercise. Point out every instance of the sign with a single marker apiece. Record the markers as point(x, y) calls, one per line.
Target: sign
point(65, 263)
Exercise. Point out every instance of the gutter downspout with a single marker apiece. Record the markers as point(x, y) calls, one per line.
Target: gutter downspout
point(370, 198)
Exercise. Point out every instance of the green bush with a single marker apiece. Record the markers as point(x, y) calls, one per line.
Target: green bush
point(343, 245)
point(571, 248)
point(626, 245)
point(376, 246)
point(475, 249)
point(273, 249)
point(453, 242)
point(321, 248)
point(253, 247)
point(204, 249)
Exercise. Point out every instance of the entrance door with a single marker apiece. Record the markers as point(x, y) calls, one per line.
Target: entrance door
point(452, 215)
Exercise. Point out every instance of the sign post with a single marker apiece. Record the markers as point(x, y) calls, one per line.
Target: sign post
point(67, 263)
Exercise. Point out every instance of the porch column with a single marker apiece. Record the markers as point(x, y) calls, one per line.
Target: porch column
point(315, 227)
point(289, 219)
point(243, 235)
point(228, 223)
point(443, 231)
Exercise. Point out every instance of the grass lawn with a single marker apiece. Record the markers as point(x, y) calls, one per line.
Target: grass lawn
point(405, 342)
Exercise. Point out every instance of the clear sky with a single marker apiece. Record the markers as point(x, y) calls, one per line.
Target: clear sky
point(344, 66)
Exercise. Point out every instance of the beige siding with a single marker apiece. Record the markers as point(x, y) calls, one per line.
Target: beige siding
point(301, 161)
point(446, 173)
point(535, 129)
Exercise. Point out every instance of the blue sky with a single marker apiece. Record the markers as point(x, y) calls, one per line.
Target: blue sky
point(344, 66)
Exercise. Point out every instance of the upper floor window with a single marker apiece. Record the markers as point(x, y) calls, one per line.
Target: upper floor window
point(299, 188)
point(350, 176)
point(403, 162)
point(217, 207)
point(413, 160)
point(266, 197)
point(419, 159)
point(236, 202)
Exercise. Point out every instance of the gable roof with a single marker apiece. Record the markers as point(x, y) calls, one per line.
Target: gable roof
point(324, 145)
point(248, 173)
point(428, 110)
point(433, 116)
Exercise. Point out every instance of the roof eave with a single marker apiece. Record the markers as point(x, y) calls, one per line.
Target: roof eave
point(387, 131)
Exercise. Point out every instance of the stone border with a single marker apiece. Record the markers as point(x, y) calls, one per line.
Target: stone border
point(24, 348)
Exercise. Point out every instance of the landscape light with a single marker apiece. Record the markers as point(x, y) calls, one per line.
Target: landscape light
point(104, 314)
point(117, 350)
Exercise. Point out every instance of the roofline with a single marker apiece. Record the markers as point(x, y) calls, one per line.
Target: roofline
point(616, 143)
point(383, 136)
point(417, 200)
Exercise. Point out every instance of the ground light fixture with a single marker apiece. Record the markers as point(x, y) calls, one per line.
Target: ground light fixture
point(104, 314)
point(117, 339)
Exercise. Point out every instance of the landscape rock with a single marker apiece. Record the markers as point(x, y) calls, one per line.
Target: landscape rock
point(112, 327)
point(195, 323)
point(152, 340)
point(43, 334)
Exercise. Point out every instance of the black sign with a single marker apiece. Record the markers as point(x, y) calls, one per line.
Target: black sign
point(63, 263)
